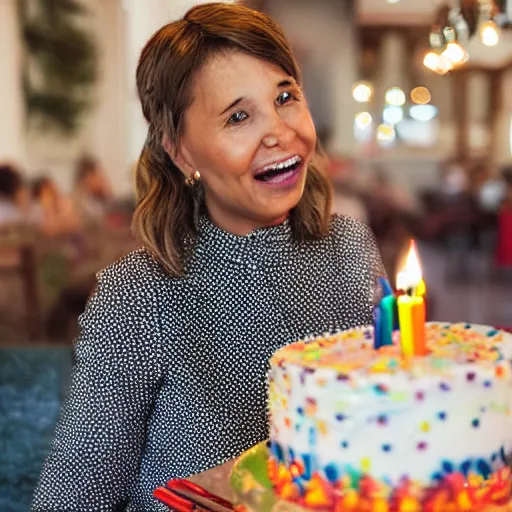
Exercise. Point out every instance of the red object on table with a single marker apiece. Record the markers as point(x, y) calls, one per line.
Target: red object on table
point(504, 242)
point(174, 496)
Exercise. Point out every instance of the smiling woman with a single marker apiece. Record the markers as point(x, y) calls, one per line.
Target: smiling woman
point(240, 258)
point(233, 114)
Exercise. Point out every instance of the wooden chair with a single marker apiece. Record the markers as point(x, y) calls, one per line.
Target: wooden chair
point(18, 267)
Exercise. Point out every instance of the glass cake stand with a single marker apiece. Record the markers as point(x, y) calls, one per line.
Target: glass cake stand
point(253, 489)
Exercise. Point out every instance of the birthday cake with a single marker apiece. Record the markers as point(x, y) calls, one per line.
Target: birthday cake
point(358, 428)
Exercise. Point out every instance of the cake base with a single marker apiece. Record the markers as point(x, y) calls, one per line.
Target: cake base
point(254, 492)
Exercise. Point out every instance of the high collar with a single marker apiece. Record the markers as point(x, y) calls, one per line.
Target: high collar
point(211, 237)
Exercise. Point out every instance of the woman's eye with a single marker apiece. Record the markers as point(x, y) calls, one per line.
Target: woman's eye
point(238, 117)
point(284, 97)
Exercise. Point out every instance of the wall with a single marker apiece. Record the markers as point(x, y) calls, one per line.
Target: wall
point(104, 130)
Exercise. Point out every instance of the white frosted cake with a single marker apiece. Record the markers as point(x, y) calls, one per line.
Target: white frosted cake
point(354, 427)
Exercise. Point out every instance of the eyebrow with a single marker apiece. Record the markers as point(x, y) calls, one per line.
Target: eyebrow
point(283, 83)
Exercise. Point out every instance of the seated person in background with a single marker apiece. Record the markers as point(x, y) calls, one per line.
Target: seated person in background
point(52, 213)
point(93, 195)
point(14, 198)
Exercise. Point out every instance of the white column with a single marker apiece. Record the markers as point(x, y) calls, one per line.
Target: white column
point(503, 124)
point(478, 109)
point(12, 143)
point(341, 74)
point(393, 60)
point(392, 71)
point(106, 136)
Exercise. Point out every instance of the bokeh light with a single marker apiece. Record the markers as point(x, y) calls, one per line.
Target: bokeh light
point(386, 134)
point(456, 54)
point(420, 95)
point(423, 112)
point(395, 96)
point(392, 114)
point(363, 120)
point(362, 92)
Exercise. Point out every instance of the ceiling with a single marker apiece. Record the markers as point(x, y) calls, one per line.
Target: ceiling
point(420, 13)
point(403, 12)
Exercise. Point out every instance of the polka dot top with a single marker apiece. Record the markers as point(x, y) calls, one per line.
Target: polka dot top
point(169, 377)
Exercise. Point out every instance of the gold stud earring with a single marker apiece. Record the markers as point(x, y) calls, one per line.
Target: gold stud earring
point(193, 179)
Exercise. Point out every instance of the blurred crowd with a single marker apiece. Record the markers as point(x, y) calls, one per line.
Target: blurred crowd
point(51, 246)
point(39, 204)
point(468, 213)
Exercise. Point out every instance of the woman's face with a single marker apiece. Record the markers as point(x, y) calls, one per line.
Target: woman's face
point(250, 135)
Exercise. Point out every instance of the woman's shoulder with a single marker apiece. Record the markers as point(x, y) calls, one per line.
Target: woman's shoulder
point(137, 270)
point(355, 241)
point(345, 228)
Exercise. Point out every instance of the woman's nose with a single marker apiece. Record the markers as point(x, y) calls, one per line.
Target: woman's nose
point(278, 132)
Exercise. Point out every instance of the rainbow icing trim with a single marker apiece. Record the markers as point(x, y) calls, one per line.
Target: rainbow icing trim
point(454, 493)
point(356, 427)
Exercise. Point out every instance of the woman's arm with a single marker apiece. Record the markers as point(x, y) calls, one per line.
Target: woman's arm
point(95, 455)
point(359, 258)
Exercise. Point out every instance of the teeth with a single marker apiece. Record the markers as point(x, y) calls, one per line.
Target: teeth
point(281, 165)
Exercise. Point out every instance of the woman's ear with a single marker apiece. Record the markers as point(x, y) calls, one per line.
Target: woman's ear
point(180, 156)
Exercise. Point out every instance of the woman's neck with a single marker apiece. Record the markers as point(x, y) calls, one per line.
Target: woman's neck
point(239, 225)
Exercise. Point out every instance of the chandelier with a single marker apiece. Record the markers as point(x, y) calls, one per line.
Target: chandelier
point(455, 25)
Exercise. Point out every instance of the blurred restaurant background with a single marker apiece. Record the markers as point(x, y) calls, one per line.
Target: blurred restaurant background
point(412, 102)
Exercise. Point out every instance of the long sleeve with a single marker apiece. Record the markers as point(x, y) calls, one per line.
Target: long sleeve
point(95, 455)
point(358, 253)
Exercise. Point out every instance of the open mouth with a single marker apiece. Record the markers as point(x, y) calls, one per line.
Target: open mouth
point(277, 173)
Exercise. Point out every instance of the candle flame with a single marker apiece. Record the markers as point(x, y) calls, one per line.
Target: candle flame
point(411, 274)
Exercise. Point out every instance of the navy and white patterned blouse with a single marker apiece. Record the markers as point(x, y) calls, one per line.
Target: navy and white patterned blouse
point(170, 373)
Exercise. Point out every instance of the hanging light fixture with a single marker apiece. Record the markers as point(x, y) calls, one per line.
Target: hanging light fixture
point(459, 23)
point(489, 33)
point(434, 59)
point(488, 29)
point(454, 52)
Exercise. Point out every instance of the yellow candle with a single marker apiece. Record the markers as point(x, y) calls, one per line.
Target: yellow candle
point(405, 305)
point(421, 290)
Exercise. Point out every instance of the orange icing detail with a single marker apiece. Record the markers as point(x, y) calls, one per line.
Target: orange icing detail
point(294, 470)
point(317, 493)
point(290, 491)
point(348, 502)
point(283, 476)
point(380, 505)
point(410, 504)
point(272, 469)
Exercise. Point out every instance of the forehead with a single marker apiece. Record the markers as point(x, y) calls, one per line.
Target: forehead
point(229, 76)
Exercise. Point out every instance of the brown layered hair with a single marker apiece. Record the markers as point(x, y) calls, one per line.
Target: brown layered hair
point(167, 209)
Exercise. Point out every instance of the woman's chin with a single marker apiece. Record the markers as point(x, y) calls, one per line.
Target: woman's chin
point(278, 220)
point(274, 216)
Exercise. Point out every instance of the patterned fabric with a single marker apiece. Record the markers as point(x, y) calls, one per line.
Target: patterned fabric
point(170, 374)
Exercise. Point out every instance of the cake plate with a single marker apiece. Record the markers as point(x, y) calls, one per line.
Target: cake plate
point(253, 489)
